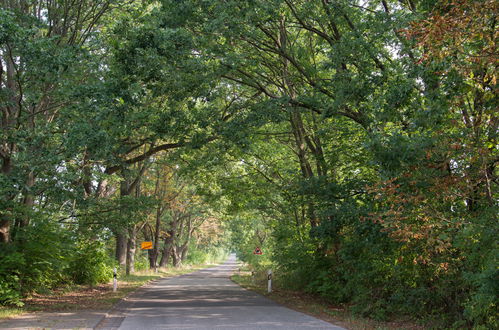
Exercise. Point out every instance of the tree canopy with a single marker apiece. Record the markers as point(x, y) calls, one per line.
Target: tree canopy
point(354, 142)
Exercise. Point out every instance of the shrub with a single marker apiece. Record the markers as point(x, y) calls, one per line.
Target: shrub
point(46, 249)
point(141, 262)
point(90, 264)
point(196, 256)
point(11, 263)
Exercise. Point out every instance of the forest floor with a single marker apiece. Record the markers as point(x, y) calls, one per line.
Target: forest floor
point(318, 307)
point(84, 298)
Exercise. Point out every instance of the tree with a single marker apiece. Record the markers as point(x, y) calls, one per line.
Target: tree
point(44, 48)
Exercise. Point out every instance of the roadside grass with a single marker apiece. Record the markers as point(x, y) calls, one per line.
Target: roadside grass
point(8, 312)
point(317, 307)
point(98, 297)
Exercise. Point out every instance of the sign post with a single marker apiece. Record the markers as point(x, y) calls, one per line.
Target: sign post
point(115, 280)
point(269, 281)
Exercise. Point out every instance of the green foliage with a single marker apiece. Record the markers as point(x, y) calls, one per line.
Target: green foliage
point(354, 142)
point(10, 287)
point(481, 273)
point(46, 249)
point(197, 257)
point(90, 264)
point(200, 256)
point(46, 256)
point(141, 262)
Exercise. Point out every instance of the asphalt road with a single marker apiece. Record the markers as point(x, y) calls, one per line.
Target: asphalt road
point(206, 299)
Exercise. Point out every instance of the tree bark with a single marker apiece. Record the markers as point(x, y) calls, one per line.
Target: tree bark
point(130, 252)
point(4, 230)
point(121, 248)
point(296, 121)
point(155, 250)
point(5, 222)
point(29, 199)
point(177, 260)
point(183, 254)
point(165, 257)
point(121, 235)
point(167, 251)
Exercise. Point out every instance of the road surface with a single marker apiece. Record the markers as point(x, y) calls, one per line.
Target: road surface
point(206, 299)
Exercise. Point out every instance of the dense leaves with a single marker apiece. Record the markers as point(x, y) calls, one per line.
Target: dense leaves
point(354, 142)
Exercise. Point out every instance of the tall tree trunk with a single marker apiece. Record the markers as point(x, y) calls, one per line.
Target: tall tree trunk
point(130, 252)
point(177, 260)
point(183, 254)
point(167, 251)
point(121, 247)
point(5, 170)
point(165, 257)
point(29, 199)
point(4, 230)
point(4, 220)
point(6, 164)
point(149, 236)
point(122, 242)
point(10, 111)
point(296, 121)
point(121, 234)
point(155, 250)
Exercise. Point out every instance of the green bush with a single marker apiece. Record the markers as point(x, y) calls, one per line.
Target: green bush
point(35, 261)
point(46, 249)
point(482, 305)
point(90, 264)
point(209, 255)
point(141, 262)
point(196, 256)
point(11, 263)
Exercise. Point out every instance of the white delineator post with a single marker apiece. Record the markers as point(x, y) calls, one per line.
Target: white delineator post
point(115, 280)
point(269, 281)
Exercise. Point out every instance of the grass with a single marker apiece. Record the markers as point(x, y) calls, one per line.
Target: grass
point(98, 297)
point(8, 312)
point(318, 307)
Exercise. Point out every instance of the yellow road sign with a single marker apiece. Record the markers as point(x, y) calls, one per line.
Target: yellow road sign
point(146, 245)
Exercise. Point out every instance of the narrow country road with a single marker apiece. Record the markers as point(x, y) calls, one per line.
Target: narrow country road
point(206, 299)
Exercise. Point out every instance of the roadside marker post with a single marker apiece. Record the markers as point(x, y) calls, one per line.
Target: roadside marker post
point(115, 280)
point(269, 281)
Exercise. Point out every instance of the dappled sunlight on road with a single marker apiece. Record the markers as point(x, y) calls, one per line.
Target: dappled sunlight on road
point(208, 299)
